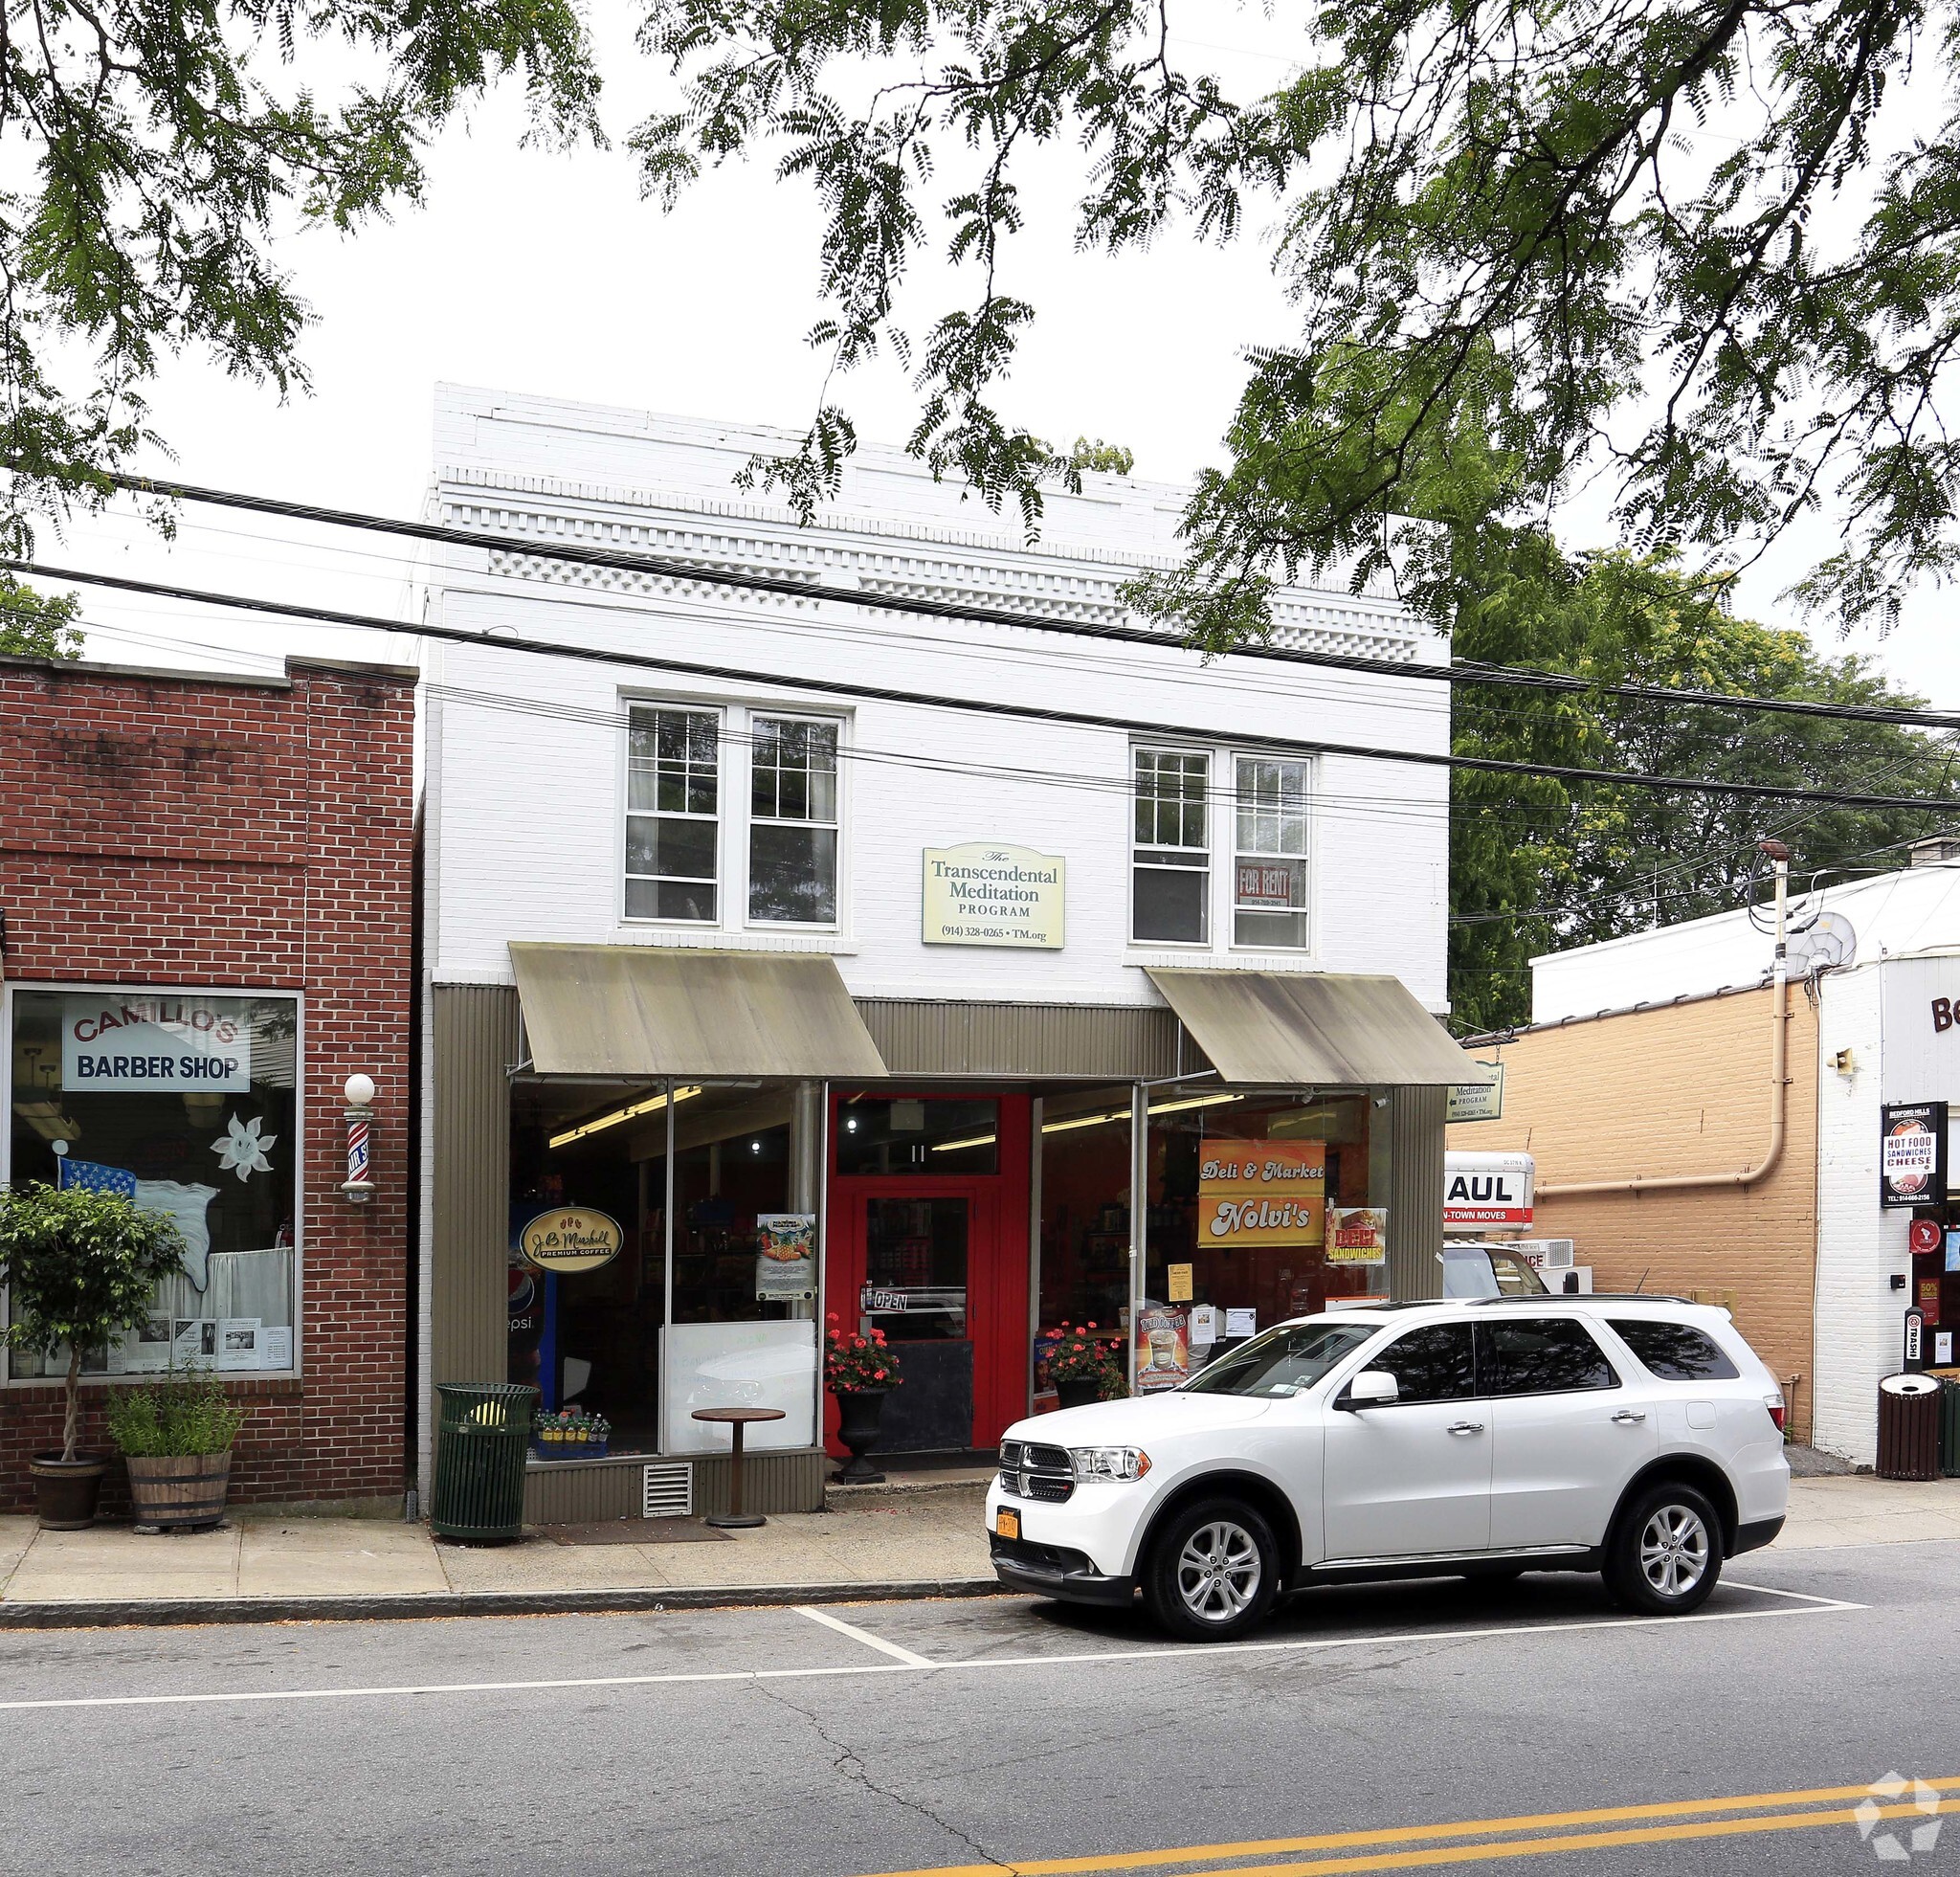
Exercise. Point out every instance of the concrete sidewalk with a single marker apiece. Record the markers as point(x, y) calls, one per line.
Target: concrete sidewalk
point(873, 1544)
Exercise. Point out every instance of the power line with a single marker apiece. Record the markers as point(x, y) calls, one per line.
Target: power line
point(1456, 672)
point(1175, 733)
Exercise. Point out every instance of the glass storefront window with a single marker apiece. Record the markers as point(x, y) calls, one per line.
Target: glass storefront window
point(186, 1103)
point(938, 1138)
point(1085, 1177)
point(1259, 1210)
point(731, 1325)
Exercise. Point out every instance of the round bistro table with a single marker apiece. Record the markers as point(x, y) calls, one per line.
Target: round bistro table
point(736, 1419)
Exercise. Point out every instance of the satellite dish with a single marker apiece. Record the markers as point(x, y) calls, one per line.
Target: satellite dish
point(1829, 940)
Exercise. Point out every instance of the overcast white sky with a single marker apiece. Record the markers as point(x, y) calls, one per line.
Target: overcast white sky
point(541, 271)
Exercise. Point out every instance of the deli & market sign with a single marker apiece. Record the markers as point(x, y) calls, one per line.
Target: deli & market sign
point(983, 892)
point(133, 1045)
point(1263, 1193)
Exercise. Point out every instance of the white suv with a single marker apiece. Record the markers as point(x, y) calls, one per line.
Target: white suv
point(1636, 1436)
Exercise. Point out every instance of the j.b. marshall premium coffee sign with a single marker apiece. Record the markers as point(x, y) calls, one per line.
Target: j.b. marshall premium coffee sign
point(985, 893)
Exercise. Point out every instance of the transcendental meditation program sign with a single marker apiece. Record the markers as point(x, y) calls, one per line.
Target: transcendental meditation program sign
point(983, 893)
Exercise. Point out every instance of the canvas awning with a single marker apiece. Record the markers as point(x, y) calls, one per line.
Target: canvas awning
point(634, 1010)
point(1312, 1029)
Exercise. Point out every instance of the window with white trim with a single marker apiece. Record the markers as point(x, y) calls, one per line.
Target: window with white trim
point(1269, 854)
point(672, 813)
point(792, 820)
point(1170, 873)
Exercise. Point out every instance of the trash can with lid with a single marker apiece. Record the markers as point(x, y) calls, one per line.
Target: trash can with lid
point(482, 1434)
point(1909, 1427)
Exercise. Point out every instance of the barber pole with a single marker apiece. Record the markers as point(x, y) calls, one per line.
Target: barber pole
point(360, 1092)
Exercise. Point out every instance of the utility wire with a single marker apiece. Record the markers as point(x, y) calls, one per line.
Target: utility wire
point(1457, 672)
point(1032, 713)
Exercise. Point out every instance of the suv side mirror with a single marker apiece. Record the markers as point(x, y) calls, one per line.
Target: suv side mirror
point(1373, 1388)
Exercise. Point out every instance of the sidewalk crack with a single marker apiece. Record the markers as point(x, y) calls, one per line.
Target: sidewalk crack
point(850, 1763)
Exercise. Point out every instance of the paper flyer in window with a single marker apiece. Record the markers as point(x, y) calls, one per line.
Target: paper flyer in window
point(1163, 1349)
point(144, 1351)
point(785, 1256)
point(275, 1346)
point(238, 1342)
point(193, 1341)
point(1357, 1235)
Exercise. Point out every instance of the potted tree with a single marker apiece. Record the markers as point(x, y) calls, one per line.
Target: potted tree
point(176, 1439)
point(861, 1371)
point(78, 1268)
point(1083, 1367)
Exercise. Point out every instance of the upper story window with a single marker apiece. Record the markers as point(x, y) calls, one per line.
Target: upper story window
point(1269, 860)
point(1171, 872)
point(792, 821)
point(673, 814)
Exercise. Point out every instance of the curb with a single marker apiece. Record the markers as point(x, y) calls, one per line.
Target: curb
point(169, 1612)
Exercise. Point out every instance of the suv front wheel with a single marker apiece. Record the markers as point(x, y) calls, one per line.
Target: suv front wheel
point(1664, 1555)
point(1213, 1571)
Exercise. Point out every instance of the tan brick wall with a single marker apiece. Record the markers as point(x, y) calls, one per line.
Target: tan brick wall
point(1680, 1089)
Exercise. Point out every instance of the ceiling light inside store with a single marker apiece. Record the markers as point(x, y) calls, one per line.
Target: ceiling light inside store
point(651, 1106)
point(1068, 1122)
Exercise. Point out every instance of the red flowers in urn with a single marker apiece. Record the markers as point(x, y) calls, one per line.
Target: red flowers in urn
point(860, 1371)
point(1083, 1364)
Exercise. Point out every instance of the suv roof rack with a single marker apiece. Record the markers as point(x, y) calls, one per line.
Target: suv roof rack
point(1538, 1301)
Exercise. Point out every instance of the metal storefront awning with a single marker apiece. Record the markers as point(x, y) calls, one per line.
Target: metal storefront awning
point(631, 1010)
point(1311, 1029)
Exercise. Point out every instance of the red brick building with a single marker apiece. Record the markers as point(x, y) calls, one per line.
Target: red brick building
point(206, 883)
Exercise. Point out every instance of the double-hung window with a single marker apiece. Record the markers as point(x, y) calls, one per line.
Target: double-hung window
point(672, 813)
point(1269, 854)
point(1170, 871)
point(792, 821)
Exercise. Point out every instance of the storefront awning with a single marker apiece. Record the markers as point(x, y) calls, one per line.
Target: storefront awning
point(1311, 1029)
point(631, 1010)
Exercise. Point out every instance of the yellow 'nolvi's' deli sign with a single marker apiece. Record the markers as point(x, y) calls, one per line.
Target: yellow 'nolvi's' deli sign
point(1263, 1193)
point(983, 893)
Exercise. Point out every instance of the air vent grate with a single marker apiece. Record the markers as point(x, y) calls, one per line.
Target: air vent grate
point(668, 1492)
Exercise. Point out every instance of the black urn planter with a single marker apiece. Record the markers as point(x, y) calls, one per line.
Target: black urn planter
point(66, 1490)
point(1078, 1391)
point(858, 1413)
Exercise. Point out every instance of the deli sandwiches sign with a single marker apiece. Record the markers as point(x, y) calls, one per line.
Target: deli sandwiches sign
point(129, 1045)
point(1912, 1155)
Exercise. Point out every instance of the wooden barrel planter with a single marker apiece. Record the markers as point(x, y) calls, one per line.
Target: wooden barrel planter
point(179, 1488)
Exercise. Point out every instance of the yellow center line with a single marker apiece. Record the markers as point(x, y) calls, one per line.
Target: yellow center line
point(1427, 1834)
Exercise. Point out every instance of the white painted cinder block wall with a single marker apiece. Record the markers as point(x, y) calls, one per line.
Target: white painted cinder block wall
point(527, 754)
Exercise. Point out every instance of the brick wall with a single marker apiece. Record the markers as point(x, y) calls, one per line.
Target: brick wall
point(1678, 1089)
point(194, 830)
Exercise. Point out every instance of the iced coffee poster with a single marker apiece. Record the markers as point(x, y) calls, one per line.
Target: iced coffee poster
point(1163, 1347)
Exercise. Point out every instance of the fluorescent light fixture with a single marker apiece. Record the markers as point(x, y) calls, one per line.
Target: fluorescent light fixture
point(1069, 1122)
point(651, 1106)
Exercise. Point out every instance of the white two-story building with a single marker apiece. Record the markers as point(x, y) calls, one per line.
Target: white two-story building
point(791, 955)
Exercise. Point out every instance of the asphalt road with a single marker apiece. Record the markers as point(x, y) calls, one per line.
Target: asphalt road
point(1432, 1726)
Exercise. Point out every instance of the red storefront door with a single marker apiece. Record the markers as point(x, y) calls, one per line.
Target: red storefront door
point(940, 1263)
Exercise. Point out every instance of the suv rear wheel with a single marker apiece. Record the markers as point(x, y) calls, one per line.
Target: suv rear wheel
point(1664, 1555)
point(1213, 1571)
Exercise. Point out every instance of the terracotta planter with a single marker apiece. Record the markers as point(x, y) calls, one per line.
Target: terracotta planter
point(858, 1413)
point(1079, 1391)
point(66, 1490)
point(179, 1488)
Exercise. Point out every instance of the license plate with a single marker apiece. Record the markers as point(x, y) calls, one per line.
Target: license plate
point(1007, 1524)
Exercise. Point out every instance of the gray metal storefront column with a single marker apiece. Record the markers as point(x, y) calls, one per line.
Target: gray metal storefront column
point(1415, 1192)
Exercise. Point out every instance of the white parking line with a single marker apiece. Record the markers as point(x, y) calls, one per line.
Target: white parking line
point(863, 1636)
point(907, 1663)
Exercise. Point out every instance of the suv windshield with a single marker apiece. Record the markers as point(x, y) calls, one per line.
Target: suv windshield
point(1282, 1361)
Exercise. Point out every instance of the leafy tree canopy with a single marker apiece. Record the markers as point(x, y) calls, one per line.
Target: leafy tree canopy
point(1537, 865)
point(1501, 219)
point(152, 155)
point(38, 625)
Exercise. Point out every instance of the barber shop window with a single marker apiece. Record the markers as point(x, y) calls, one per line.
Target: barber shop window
point(1269, 854)
point(185, 1103)
point(673, 814)
point(1171, 873)
point(792, 821)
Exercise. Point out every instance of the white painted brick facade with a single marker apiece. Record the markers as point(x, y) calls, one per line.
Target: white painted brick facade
point(525, 755)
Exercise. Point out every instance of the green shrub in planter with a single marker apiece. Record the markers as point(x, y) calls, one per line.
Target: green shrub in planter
point(190, 1412)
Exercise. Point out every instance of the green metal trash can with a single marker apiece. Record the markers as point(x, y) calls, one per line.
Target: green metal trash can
point(1950, 1428)
point(482, 1435)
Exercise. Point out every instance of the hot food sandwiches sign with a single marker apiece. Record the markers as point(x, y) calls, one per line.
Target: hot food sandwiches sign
point(1912, 1155)
point(1486, 1189)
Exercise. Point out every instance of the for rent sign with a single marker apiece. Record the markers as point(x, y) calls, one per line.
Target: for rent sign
point(122, 1045)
